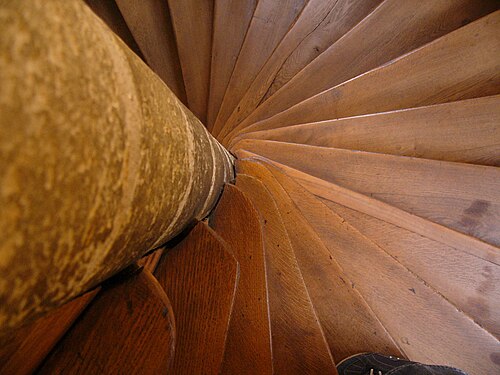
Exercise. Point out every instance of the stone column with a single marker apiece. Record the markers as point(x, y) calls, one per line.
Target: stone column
point(99, 161)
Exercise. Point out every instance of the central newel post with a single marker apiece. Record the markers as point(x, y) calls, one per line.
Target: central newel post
point(99, 161)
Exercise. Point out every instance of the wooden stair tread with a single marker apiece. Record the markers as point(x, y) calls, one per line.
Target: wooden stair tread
point(200, 277)
point(321, 23)
point(22, 352)
point(149, 21)
point(270, 22)
point(372, 43)
point(342, 17)
point(464, 131)
point(459, 65)
point(231, 22)
point(466, 281)
point(350, 326)
point(298, 343)
point(461, 196)
point(386, 212)
point(129, 325)
point(425, 325)
point(346, 242)
point(248, 345)
point(192, 23)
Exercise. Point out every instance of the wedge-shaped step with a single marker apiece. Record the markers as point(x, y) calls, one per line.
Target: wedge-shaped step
point(461, 196)
point(387, 213)
point(108, 11)
point(350, 326)
point(298, 343)
point(22, 352)
point(231, 22)
point(248, 344)
point(470, 283)
point(149, 21)
point(460, 65)
point(199, 276)
point(192, 23)
point(342, 17)
point(426, 326)
point(129, 325)
point(321, 23)
point(390, 31)
point(270, 22)
point(465, 131)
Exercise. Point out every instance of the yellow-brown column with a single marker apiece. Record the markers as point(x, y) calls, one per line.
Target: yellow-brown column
point(99, 161)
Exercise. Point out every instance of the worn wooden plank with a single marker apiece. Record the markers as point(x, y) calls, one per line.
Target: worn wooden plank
point(464, 131)
point(24, 350)
point(130, 325)
point(270, 22)
point(149, 21)
point(231, 22)
point(470, 283)
point(461, 196)
point(392, 30)
point(248, 345)
point(461, 65)
point(320, 24)
point(343, 16)
point(200, 276)
point(192, 22)
point(350, 326)
point(386, 212)
point(426, 326)
point(298, 342)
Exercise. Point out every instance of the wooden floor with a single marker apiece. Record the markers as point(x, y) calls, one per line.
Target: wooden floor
point(365, 213)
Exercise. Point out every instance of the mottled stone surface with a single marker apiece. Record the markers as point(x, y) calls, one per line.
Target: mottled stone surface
point(99, 161)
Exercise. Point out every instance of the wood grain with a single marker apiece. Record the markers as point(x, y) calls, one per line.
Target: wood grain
point(231, 22)
point(343, 16)
point(149, 21)
point(464, 131)
point(248, 345)
point(200, 277)
point(392, 30)
point(270, 22)
point(24, 350)
point(298, 342)
point(350, 326)
point(192, 21)
point(470, 283)
point(130, 325)
point(425, 325)
point(461, 196)
point(321, 23)
point(386, 212)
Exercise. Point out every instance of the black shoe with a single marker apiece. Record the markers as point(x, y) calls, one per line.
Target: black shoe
point(378, 364)
point(369, 363)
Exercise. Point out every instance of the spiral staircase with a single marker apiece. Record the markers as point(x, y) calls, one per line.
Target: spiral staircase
point(366, 208)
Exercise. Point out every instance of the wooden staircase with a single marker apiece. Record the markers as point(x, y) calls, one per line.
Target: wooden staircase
point(365, 213)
